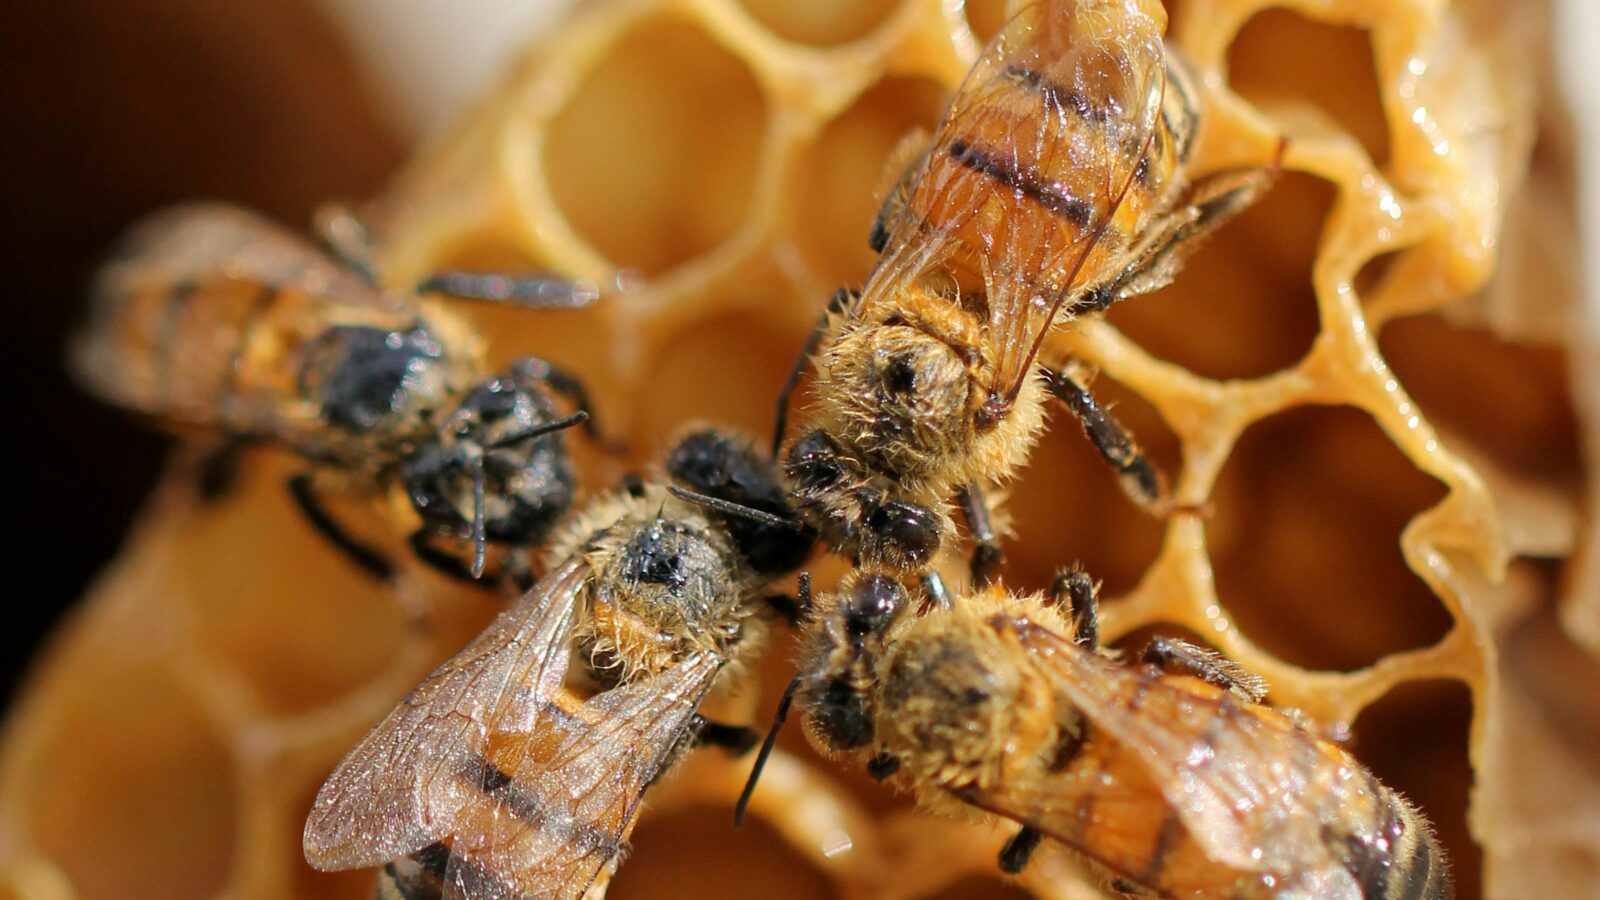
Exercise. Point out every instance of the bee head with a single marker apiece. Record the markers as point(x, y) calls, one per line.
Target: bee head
point(718, 464)
point(877, 528)
point(497, 468)
point(836, 689)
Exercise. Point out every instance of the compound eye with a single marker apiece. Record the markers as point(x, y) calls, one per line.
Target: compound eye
point(905, 534)
point(873, 603)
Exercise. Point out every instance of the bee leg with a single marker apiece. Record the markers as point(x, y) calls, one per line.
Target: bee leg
point(841, 301)
point(1082, 595)
point(904, 161)
point(1015, 854)
point(570, 386)
point(305, 496)
point(736, 739)
point(217, 471)
point(986, 553)
point(1184, 658)
point(1210, 202)
point(524, 291)
point(1139, 478)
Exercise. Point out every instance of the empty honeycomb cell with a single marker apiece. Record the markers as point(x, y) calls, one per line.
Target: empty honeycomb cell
point(1070, 506)
point(667, 862)
point(1414, 739)
point(725, 370)
point(1261, 71)
point(1510, 400)
point(654, 158)
point(1310, 565)
point(1242, 306)
point(821, 21)
point(844, 174)
point(307, 626)
point(985, 17)
point(133, 794)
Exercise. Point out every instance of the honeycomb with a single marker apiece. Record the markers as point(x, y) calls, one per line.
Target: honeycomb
point(1364, 380)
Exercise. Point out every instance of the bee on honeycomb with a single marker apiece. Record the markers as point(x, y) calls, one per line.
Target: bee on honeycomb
point(1378, 425)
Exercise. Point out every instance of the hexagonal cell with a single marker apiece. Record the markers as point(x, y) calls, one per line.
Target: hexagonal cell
point(133, 793)
point(985, 17)
point(738, 355)
point(654, 159)
point(274, 601)
point(1509, 399)
point(1332, 67)
point(1414, 739)
point(1242, 306)
point(1306, 540)
point(820, 22)
point(844, 175)
point(1070, 505)
point(668, 861)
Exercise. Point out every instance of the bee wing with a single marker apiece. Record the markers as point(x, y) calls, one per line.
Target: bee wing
point(1029, 167)
point(200, 245)
point(572, 795)
point(1254, 791)
point(408, 781)
point(205, 270)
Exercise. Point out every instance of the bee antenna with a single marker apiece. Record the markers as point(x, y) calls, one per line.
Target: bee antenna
point(767, 743)
point(734, 509)
point(533, 431)
point(478, 527)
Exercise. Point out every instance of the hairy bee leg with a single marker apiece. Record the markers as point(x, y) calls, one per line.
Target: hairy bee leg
point(1082, 596)
point(217, 472)
point(1184, 658)
point(736, 739)
point(572, 387)
point(987, 556)
point(905, 160)
point(1015, 854)
point(1139, 478)
point(838, 303)
point(522, 291)
point(305, 496)
point(1207, 205)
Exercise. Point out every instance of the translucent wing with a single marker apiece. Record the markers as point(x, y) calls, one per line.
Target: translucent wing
point(1255, 791)
point(411, 779)
point(208, 244)
point(170, 313)
point(572, 793)
point(1030, 191)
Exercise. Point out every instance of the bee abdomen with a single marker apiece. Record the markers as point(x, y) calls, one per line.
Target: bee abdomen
point(1420, 871)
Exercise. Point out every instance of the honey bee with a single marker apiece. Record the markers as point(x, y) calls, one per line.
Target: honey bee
point(1169, 777)
point(512, 771)
point(1052, 188)
point(211, 318)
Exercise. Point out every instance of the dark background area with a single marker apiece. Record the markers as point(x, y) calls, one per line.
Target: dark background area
point(110, 110)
